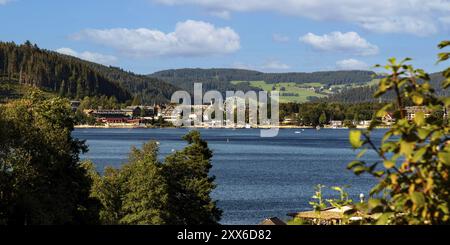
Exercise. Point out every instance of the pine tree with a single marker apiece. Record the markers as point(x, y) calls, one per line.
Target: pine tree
point(190, 185)
point(145, 199)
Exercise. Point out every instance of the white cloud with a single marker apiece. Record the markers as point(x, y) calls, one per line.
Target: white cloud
point(416, 17)
point(190, 38)
point(349, 42)
point(3, 2)
point(89, 56)
point(241, 65)
point(280, 38)
point(275, 65)
point(223, 14)
point(351, 64)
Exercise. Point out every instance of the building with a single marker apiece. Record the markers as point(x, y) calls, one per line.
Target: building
point(141, 111)
point(108, 113)
point(330, 216)
point(411, 111)
point(365, 123)
point(336, 124)
point(388, 119)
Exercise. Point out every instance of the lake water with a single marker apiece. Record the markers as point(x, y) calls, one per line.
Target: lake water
point(256, 177)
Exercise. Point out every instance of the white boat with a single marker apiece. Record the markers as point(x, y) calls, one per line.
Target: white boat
point(298, 132)
point(318, 127)
point(248, 126)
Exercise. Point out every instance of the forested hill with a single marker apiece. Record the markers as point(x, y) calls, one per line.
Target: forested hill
point(220, 78)
point(365, 93)
point(75, 78)
point(148, 89)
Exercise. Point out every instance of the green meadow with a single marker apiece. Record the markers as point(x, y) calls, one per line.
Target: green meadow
point(289, 92)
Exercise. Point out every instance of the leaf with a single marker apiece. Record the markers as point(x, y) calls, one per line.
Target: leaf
point(389, 164)
point(355, 138)
point(418, 198)
point(444, 44)
point(383, 111)
point(444, 157)
point(359, 170)
point(423, 133)
point(419, 119)
point(419, 154)
point(406, 147)
point(446, 72)
point(354, 164)
point(417, 99)
point(446, 101)
point(446, 83)
point(361, 153)
point(443, 56)
point(384, 218)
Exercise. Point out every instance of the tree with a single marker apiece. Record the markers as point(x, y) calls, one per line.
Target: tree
point(414, 154)
point(323, 118)
point(137, 100)
point(41, 180)
point(190, 185)
point(145, 190)
point(107, 189)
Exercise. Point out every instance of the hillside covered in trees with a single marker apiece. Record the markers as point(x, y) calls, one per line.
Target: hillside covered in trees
point(74, 78)
point(365, 93)
point(220, 79)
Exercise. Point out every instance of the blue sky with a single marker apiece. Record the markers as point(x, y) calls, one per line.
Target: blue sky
point(268, 35)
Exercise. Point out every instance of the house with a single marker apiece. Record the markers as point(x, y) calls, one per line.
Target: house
point(411, 111)
point(365, 123)
point(388, 119)
point(336, 124)
point(141, 111)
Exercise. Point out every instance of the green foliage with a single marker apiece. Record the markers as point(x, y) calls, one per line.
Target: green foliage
point(41, 180)
point(145, 191)
point(51, 71)
point(107, 189)
point(149, 89)
point(343, 200)
point(99, 102)
point(190, 185)
point(309, 114)
point(75, 78)
point(319, 203)
point(221, 79)
point(413, 171)
point(323, 118)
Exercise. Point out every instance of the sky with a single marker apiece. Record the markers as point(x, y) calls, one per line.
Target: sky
point(145, 36)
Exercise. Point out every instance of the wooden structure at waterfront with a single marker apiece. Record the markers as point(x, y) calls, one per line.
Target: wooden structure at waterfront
point(330, 216)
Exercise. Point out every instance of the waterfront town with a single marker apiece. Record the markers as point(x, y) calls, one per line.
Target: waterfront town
point(143, 115)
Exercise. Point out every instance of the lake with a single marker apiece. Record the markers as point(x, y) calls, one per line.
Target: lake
point(256, 177)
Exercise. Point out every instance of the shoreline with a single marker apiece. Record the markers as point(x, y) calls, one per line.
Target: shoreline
point(203, 127)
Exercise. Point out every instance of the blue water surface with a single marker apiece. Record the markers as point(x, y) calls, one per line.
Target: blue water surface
point(256, 177)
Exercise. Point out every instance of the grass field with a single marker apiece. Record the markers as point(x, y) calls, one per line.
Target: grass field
point(289, 92)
